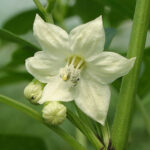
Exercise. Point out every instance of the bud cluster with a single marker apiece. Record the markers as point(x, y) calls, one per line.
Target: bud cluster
point(53, 113)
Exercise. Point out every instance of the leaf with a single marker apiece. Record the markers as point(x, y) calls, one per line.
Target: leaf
point(12, 77)
point(139, 138)
point(18, 57)
point(144, 113)
point(144, 87)
point(87, 9)
point(118, 11)
point(9, 36)
point(21, 23)
point(114, 11)
point(109, 34)
point(14, 70)
point(21, 142)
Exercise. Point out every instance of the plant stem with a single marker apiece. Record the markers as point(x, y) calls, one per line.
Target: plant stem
point(47, 16)
point(124, 110)
point(85, 130)
point(37, 116)
point(23, 108)
point(50, 5)
point(81, 138)
point(106, 134)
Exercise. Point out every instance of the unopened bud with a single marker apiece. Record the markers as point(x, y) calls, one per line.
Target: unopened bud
point(33, 91)
point(54, 113)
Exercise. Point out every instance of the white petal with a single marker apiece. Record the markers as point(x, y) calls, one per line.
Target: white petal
point(51, 37)
point(57, 90)
point(44, 65)
point(93, 99)
point(88, 39)
point(109, 66)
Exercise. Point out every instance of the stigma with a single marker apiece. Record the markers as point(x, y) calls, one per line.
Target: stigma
point(71, 72)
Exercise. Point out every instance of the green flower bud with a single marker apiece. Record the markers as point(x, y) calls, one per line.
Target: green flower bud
point(33, 91)
point(54, 113)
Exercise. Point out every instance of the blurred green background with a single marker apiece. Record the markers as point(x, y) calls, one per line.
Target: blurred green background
point(20, 132)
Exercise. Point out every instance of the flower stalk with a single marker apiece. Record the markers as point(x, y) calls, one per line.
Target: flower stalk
point(37, 116)
point(126, 102)
point(85, 130)
point(47, 16)
point(50, 5)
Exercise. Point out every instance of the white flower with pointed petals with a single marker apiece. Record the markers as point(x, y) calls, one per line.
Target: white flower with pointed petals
point(74, 66)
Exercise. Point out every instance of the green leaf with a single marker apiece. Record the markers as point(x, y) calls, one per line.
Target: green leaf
point(21, 142)
point(18, 57)
point(21, 23)
point(9, 36)
point(87, 9)
point(114, 11)
point(144, 87)
point(109, 34)
point(139, 137)
point(14, 70)
point(144, 113)
point(118, 11)
point(12, 77)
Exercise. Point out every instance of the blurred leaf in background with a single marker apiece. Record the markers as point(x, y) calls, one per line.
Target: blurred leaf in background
point(21, 142)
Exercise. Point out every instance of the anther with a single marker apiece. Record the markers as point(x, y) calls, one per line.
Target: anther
point(72, 69)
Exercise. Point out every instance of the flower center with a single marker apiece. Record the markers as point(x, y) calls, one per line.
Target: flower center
point(72, 69)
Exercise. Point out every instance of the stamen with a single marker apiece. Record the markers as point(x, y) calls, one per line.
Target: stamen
point(65, 77)
point(72, 69)
point(80, 64)
point(73, 60)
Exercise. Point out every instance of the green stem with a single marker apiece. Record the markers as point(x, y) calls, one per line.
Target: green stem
point(106, 134)
point(50, 5)
point(47, 16)
point(124, 110)
point(37, 116)
point(85, 130)
point(85, 118)
point(81, 138)
point(23, 108)
point(144, 113)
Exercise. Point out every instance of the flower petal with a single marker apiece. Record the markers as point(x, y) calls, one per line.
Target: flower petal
point(43, 65)
point(93, 99)
point(88, 39)
point(57, 90)
point(51, 37)
point(109, 66)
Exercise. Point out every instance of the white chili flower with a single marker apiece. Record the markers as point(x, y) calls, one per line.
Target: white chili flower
point(75, 67)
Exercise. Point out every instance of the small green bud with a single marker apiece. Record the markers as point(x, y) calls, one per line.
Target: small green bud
point(33, 91)
point(54, 113)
